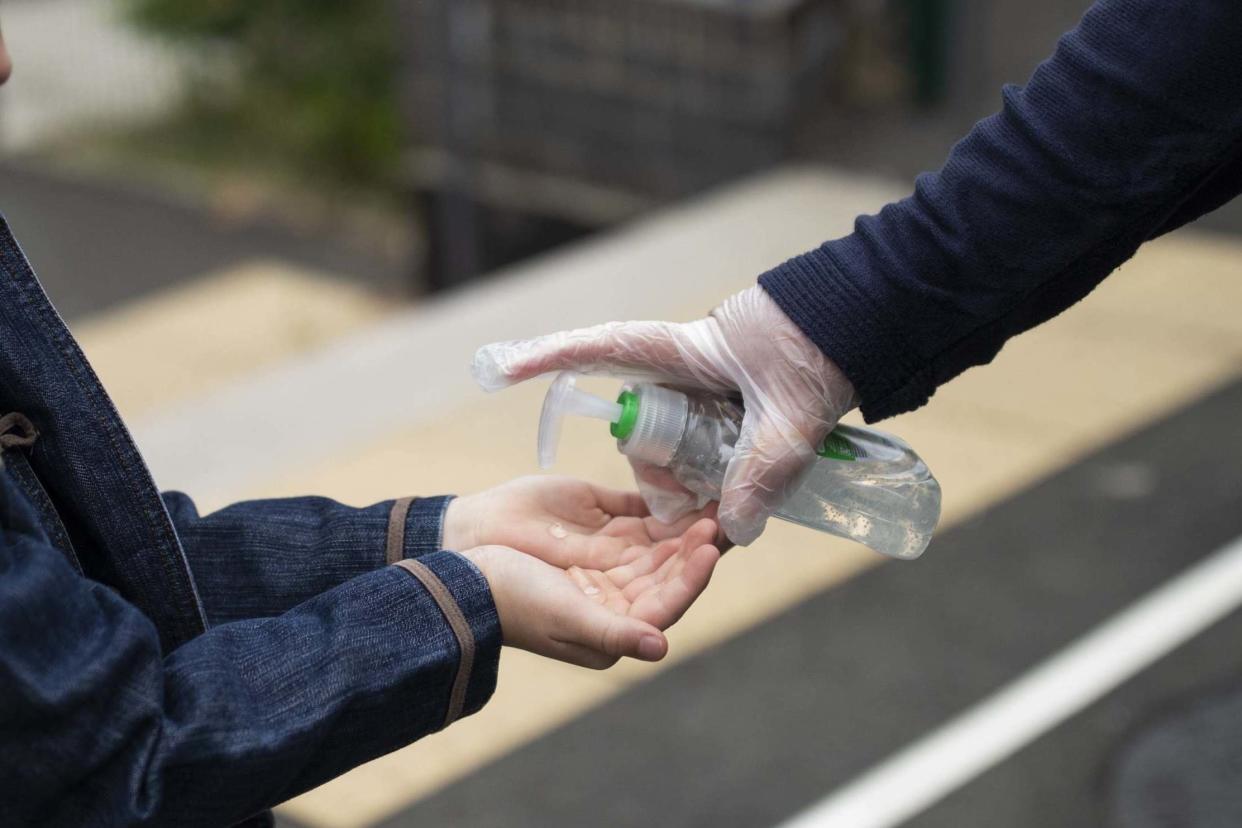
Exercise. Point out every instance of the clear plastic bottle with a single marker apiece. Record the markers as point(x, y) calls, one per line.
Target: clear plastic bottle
point(865, 485)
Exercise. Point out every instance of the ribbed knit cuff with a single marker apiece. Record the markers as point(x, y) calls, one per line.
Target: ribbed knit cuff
point(817, 294)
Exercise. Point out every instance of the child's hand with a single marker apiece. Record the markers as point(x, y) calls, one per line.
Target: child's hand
point(562, 521)
point(590, 617)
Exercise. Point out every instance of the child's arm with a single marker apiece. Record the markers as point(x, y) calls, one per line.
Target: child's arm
point(115, 731)
point(253, 712)
point(260, 558)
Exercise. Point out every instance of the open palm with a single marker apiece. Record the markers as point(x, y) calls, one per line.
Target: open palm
point(562, 521)
point(659, 582)
point(582, 573)
point(592, 617)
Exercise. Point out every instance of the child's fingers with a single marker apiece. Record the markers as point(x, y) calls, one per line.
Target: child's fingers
point(632, 529)
point(587, 584)
point(612, 597)
point(581, 656)
point(603, 552)
point(700, 533)
point(663, 531)
point(566, 546)
point(620, 503)
point(649, 560)
point(698, 571)
point(664, 604)
point(609, 633)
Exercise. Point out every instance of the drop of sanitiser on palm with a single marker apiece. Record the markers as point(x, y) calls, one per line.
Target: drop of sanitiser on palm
point(864, 484)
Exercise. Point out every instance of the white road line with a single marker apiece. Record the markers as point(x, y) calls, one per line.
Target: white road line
point(953, 754)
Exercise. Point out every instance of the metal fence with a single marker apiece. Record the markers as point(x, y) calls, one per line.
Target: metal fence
point(651, 97)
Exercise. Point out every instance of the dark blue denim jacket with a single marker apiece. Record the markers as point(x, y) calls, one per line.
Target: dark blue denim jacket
point(162, 668)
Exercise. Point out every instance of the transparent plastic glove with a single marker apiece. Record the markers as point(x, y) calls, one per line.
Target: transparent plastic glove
point(666, 499)
point(793, 394)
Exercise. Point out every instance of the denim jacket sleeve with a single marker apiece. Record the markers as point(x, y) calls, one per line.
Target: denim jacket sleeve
point(113, 731)
point(261, 558)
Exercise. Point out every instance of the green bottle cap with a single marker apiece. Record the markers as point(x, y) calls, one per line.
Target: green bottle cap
point(623, 427)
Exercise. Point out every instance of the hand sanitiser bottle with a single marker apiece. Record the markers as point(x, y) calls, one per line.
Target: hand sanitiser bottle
point(864, 484)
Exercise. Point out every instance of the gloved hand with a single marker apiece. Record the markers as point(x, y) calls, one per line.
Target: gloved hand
point(792, 393)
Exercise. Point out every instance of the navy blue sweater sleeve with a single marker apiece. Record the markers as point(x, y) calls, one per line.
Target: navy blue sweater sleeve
point(1132, 128)
point(261, 558)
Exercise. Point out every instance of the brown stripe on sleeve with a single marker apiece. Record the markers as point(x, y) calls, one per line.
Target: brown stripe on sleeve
point(395, 550)
point(461, 629)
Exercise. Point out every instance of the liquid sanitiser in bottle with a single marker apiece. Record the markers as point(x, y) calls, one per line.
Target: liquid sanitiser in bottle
point(864, 484)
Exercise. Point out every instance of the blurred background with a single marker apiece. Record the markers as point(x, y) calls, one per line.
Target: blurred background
point(422, 144)
point(256, 215)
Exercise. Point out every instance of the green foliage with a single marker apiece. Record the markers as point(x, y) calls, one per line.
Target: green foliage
point(315, 87)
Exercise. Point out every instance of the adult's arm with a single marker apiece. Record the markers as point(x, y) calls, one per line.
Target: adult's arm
point(1132, 128)
point(261, 558)
point(102, 728)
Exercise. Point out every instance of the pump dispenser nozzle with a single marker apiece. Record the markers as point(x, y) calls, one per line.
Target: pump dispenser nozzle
point(564, 397)
point(648, 421)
